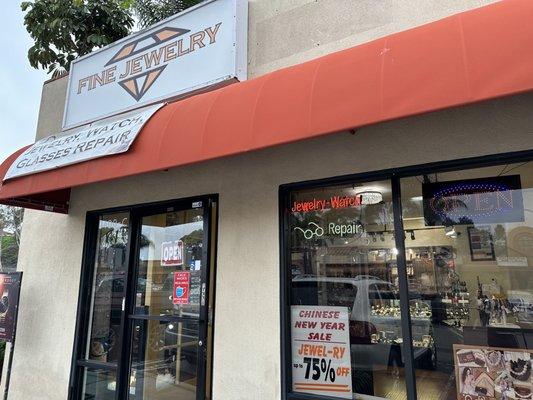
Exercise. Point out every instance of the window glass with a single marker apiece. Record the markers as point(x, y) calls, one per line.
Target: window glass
point(164, 360)
point(98, 384)
point(170, 256)
point(469, 254)
point(346, 335)
point(108, 288)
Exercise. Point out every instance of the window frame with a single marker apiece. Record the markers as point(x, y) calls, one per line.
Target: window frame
point(394, 175)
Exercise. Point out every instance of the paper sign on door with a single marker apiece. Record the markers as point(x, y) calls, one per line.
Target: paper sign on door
point(181, 292)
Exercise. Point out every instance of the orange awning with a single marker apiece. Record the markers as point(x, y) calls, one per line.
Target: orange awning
point(476, 55)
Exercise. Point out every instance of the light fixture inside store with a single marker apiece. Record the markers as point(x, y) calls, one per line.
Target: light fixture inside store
point(370, 197)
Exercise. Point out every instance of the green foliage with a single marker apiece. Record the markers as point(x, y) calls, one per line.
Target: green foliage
point(151, 11)
point(10, 252)
point(66, 29)
point(10, 227)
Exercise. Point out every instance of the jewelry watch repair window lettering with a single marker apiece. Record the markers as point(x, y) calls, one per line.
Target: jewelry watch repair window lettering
point(345, 325)
point(469, 256)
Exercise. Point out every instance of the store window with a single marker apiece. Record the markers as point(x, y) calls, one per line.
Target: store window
point(433, 300)
point(345, 325)
point(469, 256)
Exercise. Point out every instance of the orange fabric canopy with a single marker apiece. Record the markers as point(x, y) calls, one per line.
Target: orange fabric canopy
point(476, 55)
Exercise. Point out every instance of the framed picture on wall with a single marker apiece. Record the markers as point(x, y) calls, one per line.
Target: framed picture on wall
point(481, 243)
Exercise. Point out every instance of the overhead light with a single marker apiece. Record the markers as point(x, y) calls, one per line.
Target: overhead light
point(370, 197)
point(417, 198)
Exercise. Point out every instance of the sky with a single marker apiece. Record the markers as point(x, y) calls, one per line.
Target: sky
point(20, 86)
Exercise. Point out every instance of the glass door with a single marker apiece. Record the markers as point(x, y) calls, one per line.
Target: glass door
point(145, 312)
point(169, 325)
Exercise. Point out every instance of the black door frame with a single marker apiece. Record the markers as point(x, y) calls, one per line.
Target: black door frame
point(394, 176)
point(136, 211)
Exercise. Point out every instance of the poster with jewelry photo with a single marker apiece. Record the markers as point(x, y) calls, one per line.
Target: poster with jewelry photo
point(9, 298)
point(487, 373)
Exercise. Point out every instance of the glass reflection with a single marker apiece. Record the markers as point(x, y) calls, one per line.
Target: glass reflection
point(98, 384)
point(469, 251)
point(108, 288)
point(343, 257)
point(164, 360)
point(170, 258)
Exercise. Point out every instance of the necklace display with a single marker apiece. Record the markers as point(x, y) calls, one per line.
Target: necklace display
point(394, 311)
point(521, 369)
point(494, 359)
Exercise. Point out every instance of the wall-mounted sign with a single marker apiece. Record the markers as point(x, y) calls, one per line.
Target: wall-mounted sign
point(200, 47)
point(9, 298)
point(102, 138)
point(181, 292)
point(321, 359)
point(473, 201)
point(172, 253)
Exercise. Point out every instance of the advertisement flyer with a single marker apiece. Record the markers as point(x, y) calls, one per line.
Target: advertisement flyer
point(321, 360)
point(181, 292)
point(487, 373)
point(9, 297)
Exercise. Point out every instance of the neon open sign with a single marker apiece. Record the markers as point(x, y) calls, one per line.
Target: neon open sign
point(487, 200)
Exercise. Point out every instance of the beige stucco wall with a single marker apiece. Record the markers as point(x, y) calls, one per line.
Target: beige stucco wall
point(247, 308)
point(288, 32)
point(51, 107)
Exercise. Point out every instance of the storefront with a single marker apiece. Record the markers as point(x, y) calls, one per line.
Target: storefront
point(357, 226)
point(431, 265)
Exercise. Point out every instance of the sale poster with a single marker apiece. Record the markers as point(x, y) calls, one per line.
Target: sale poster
point(321, 360)
point(172, 253)
point(182, 287)
point(489, 373)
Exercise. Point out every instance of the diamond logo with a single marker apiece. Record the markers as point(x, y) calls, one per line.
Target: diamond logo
point(136, 86)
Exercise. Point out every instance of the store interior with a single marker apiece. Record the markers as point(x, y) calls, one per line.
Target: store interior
point(470, 279)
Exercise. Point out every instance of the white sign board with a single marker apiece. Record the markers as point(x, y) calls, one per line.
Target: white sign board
point(103, 138)
point(321, 360)
point(202, 46)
